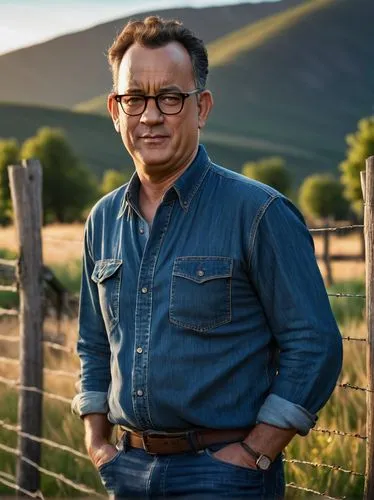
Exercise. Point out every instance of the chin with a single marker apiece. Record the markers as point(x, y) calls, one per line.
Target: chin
point(155, 157)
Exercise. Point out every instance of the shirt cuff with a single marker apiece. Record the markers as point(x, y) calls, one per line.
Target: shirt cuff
point(90, 402)
point(286, 415)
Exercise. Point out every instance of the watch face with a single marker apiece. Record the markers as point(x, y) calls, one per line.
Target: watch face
point(263, 462)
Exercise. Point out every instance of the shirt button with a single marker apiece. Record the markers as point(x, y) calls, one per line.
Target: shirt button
point(200, 273)
point(144, 289)
point(141, 230)
point(139, 392)
point(139, 350)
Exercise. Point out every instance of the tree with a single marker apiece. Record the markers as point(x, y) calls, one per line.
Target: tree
point(9, 155)
point(321, 197)
point(68, 185)
point(271, 171)
point(113, 179)
point(360, 146)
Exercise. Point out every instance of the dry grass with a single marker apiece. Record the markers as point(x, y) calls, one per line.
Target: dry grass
point(63, 243)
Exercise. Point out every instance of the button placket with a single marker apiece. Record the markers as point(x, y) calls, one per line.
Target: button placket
point(143, 315)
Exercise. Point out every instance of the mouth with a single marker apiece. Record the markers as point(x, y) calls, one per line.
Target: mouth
point(153, 139)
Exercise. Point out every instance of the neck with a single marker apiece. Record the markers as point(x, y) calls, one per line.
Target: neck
point(153, 188)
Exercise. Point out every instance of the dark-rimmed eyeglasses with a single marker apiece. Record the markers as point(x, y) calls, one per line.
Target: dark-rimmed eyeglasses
point(168, 103)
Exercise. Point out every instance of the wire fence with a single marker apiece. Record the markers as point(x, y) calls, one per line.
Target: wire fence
point(11, 482)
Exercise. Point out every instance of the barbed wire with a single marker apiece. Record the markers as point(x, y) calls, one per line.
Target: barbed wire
point(52, 345)
point(318, 493)
point(62, 240)
point(11, 361)
point(350, 295)
point(9, 338)
point(339, 433)
point(48, 371)
point(59, 347)
point(346, 385)
point(15, 383)
point(47, 442)
point(6, 482)
point(8, 312)
point(60, 477)
point(8, 262)
point(8, 288)
point(6, 475)
point(355, 339)
point(335, 229)
point(324, 466)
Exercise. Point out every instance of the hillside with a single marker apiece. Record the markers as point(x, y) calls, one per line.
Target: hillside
point(305, 86)
point(72, 69)
point(291, 83)
point(95, 142)
point(299, 79)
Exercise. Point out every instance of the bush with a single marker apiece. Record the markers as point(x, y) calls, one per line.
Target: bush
point(271, 171)
point(321, 197)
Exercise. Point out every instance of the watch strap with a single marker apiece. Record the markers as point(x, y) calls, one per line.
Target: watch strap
point(250, 451)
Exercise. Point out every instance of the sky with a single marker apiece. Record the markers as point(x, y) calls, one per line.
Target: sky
point(26, 22)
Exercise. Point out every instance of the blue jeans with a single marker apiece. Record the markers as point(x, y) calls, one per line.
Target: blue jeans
point(133, 473)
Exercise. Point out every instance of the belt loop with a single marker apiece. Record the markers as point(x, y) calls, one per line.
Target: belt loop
point(191, 438)
point(123, 442)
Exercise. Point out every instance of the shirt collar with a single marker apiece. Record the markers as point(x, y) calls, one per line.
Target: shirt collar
point(185, 187)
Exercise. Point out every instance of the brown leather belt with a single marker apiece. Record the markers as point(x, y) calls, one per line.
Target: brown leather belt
point(166, 443)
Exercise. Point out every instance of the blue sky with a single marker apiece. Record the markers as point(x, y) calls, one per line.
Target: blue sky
point(24, 23)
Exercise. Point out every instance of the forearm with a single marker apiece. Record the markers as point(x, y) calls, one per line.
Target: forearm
point(98, 430)
point(269, 440)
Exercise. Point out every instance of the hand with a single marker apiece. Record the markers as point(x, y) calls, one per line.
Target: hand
point(102, 453)
point(234, 454)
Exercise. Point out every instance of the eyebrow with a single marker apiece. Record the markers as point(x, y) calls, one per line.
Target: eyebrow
point(138, 90)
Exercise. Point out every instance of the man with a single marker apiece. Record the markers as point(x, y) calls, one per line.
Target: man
point(205, 333)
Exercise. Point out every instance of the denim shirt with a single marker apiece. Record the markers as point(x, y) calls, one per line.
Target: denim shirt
point(216, 316)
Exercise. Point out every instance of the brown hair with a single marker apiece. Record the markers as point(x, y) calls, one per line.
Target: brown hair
point(156, 32)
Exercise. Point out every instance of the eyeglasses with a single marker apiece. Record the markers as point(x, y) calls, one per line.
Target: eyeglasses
point(168, 103)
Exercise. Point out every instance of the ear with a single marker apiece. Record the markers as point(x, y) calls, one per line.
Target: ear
point(205, 105)
point(112, 106)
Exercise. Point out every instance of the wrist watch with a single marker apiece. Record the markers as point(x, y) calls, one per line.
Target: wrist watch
point(263, 462)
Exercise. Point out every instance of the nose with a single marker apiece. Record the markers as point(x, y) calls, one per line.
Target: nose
point(151, 114)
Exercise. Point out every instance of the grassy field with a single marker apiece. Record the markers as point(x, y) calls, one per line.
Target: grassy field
point(346, 410)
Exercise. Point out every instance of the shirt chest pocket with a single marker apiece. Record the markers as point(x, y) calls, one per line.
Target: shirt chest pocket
point(200, 297)
point(107, 276)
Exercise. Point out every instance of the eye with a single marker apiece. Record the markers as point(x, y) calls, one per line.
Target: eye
point(170, 99)
point(133, 100)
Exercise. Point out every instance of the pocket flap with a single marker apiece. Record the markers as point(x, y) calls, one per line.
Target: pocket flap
point(104, 269)
point(201, 269)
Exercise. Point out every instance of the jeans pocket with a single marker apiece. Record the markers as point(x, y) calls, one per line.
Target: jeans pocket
point(107, 276)
point(110, 462)
point(200, 297)
point(233, 467)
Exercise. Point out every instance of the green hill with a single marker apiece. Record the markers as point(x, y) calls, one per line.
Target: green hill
point(292, 81)
point(306, 85)
point(73, 68)
point(95, 142)
point(298, 80)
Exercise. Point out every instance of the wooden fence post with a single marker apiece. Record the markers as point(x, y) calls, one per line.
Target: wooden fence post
point(369, 250)
point(26, 191)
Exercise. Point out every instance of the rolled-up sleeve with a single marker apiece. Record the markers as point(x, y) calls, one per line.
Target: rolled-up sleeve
point(291, 290)
point(93, 346)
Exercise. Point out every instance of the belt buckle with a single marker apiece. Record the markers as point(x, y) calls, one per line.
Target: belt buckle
point(151, 434)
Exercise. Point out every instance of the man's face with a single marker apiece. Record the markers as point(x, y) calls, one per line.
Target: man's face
point(159, 143)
